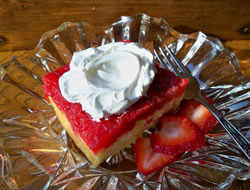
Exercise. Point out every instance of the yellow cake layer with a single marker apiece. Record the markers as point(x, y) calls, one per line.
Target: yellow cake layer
point(123, 141)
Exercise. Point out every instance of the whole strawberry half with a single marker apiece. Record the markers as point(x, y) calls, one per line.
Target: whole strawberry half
point(177, 134)
point(198, 114)
point(148, 161)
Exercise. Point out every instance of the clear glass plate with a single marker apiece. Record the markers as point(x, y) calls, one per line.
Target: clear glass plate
point(37, 153)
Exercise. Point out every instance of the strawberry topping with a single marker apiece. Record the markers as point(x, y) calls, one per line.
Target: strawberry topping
point(100, 135)
point(177, 134)
point(126, 41)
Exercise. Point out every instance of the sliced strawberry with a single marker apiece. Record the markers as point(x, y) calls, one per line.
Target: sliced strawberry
point(147, 160)
point(200, 115)
point(177, 134)
point(187, 107)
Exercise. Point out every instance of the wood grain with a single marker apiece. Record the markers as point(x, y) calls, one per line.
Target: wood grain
point(6, 56)
point(22, 22)
point(241, 48)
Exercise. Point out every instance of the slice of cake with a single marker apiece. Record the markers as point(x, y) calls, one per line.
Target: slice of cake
point(102, 137)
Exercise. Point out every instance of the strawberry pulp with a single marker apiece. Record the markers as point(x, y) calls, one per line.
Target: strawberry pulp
point(198, 114)
point(147, 160)
point(176, 135)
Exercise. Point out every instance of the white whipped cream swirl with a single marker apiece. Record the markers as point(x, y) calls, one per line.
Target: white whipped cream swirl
point(108, 79)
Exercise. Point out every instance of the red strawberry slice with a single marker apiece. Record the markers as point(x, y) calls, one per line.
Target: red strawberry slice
point(200, 115)
point(177, 134)
point(148, 161)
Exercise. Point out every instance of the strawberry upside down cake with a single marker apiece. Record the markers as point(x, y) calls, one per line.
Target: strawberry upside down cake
point(107, 96)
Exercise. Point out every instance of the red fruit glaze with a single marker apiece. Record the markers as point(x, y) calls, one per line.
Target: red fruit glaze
point(177, 134)
point(100, 135)
point(126, 41)
point(148, 161)
point(198, 114)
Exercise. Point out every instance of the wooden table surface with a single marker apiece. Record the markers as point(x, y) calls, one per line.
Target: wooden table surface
point(22, 22)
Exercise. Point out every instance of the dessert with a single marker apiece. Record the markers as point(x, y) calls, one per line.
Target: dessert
point(177, 133)
point(90, 114)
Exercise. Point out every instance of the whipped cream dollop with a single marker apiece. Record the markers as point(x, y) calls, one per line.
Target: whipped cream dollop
point(108, 79)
